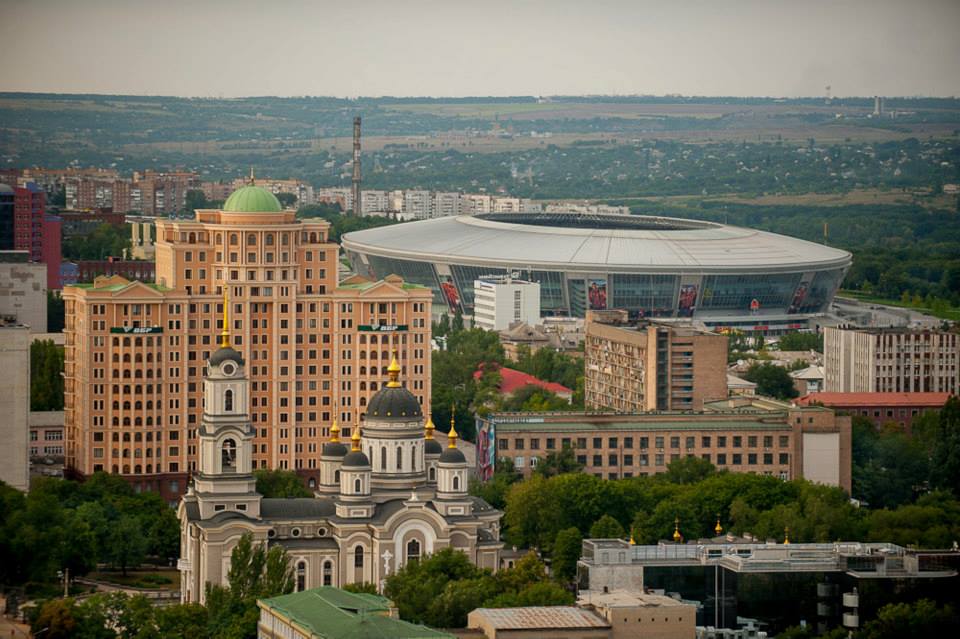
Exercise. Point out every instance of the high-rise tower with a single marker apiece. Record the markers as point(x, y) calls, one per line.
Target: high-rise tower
point(356, 167)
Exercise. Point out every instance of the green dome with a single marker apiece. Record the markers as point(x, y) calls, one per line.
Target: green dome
point(252, 199)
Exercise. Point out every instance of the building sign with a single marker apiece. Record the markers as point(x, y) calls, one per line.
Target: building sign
point(382, 328)
point(136, 330)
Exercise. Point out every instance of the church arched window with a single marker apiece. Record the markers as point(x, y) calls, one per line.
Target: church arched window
point(413, 551)
point(358, 557)
point(456, 482)
point(328, 573)
point(399, 458)
point(228, 401)
point(433, 473)
point(357, 486)
point(336, 476)
point(228, 456)
point(301, 576)
point(383, 457)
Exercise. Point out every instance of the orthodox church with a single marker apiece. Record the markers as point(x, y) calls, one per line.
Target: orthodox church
point(393, 496)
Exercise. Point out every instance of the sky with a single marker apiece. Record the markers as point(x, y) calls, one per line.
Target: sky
point(349, 48)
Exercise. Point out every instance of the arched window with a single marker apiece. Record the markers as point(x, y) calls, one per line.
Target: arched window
point(358, 557)
point(357, 485)
point(234, 240)
point(336, 476)
point(456, 482)
point(433, 474)
point(228, 456)
point(383, 457)
point(251, 239)
point(228, 401)
point(399, 458)
point(301, 576)
point(328, 573)
point(413, 551)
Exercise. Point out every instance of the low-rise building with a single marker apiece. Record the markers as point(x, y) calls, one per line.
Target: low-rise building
point(568, 622)
point(637, 367)
point(501, 301)
point(881, 408)
point(641, 615)
point(560, 334)
point(46, 433)
point(332, 613)
point(808, 380)
point(741, 434)
point(14, 404)
point(737, 386)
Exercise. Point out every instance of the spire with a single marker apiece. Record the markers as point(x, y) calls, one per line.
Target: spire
point(676, 530)
point(429, 427)
point(225, 333)
point(633, 542)
point(355, 439)
point(786, 535)
point(718, 529)
point(393, 372)
point(452, 435)
point(334, 432)
point(253, 180)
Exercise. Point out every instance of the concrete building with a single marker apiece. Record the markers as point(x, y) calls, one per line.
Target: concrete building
point(891, 360)
point(23, 291)
point(395, 497)
point(14, 405)
point(632, 368)
point(742, 434)
point(46, 433)
point(375, 202)
point(881, 408)
point(447, 204)
point(634, 614)
point(737, 386)
point(318, 350)
point(559, 334)
point(568, 622)
point(501, 301)
point(808, 380)
point(143, 235)
point(332, 613)
point(417, 205)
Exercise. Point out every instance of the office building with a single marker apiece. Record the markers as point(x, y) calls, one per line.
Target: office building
point(46, 434)
point(23, 291)
point(742, 434)
point(14, 405)
point(880, 408)
point(396, 496)
point(135, 351)
point(501, 301)
point(891, 360)
point(645, 366)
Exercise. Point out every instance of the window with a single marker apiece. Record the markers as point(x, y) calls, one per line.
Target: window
point(327, 573)
point(413, 551)
point(301, 576)
point(674, 442)
point(357, 486)
point(456, 482)
point(228, 456)
point(358, 557)
point(597, 442)
point(612, 442)
point(228, 401)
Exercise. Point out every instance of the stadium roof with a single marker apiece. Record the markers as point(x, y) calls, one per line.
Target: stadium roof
point(594, 243)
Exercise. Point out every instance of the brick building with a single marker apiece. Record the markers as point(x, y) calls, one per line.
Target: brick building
point(743, 434)
point(317, 350)
point(881, 408)
point(633, 368)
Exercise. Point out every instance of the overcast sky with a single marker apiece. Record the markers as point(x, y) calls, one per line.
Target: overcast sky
point(481, 47)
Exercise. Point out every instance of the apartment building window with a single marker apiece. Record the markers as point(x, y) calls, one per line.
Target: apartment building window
point(581, 442)
point(768, 458)
point(644, 459)
point(598, 460)
point(612, 442)
point(518, 444)
point(658, 442)
point(644, 443)
point(752, 441)
point(582, 460)
point(705, 441)
point(628, 442)
point(784, 458)
point(535, 444)
point(597, 442)
point(628, 460)
point(691, 442)
point(551, 443)
point(737, 459)
point(737, 441)
point(612, 459)
point(721, 441)
point(675, 442)
point(784, 441)
point(721, 459)
point(659, 459)
point(752, 459)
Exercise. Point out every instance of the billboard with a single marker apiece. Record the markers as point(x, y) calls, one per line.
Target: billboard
point(597, 295)
point(450, 293)
point(486, 449)
point(798, 297)
point(688, 300)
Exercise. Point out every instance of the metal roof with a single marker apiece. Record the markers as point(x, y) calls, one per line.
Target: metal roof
point(683, 246)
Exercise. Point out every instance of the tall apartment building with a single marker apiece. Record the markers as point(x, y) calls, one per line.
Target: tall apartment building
point(316, 351)
point(742, 434)
point(500, 302)
point(26, 226)
point(446, 204)
point(417, 205)
point(14, 404)
point(890, 360)
point(23, 291)
point(374, 202)
point(651, 366)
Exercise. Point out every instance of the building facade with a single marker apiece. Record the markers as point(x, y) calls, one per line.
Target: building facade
point(891, 360)
point(394, 497)
point(651, 366)
point(15, 405)
point(502, 301)
point(880, 408)
point(739, 434)
point(23, 291)
point(135, 351)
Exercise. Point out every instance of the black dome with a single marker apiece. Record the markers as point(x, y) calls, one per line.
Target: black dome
point(393, 403)
point(334, 449)
point(222, 355)
point(453, 456)
point(433, 447)
point(356, 458)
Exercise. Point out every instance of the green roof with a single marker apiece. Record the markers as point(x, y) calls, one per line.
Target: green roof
point(252, 199)
point(657, 426)
point(328, 613)
point(117, 287)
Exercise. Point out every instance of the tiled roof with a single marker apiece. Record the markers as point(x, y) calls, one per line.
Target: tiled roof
point(513, 380)
point(534, 617)
point(838, 400)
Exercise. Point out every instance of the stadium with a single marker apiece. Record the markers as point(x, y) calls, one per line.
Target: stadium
point(658, 267)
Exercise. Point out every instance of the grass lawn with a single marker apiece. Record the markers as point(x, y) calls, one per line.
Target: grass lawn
point(153, 579)
point(952, 314)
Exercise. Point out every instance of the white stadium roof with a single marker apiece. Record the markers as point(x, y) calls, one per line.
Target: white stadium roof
point(573, 242)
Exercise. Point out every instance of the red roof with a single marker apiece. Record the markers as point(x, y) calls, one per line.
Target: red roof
point(512, 380)
point(874, 399)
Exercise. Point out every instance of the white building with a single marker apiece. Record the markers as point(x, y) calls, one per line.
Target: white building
point(501, 301)
point(23, 291)
point(477, 203)
point(446, 204)
point(417, 205)
point(374, 203)
point(15, 405)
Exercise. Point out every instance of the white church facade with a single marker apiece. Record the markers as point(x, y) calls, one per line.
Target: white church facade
point(393, 496)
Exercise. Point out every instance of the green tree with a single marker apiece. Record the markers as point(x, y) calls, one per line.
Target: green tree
point(945, 462)
point(280, 483)
point(771, 380)
point(287, 200)
point(46, 376)
point(532, 398)
point(801, 342)
point(364, 587)
point(559, 462)
point(107, 240)
point(55, 312)
point(494, 491)
point(566, 553)
point(128, 547)
point(195, 199)
point(606, 528)
point(688, 470)
point(923, 618)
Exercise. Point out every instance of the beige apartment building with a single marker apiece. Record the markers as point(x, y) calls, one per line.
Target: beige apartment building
point(890, 360)
point(741, 434)
point(316, 349)
point(632, 368)
point(14, 404)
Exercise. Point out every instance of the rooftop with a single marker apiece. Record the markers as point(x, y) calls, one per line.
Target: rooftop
point(536, 617)
point(513, 380)
point(252, 199)
point(838, 400)
point(628, 599)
